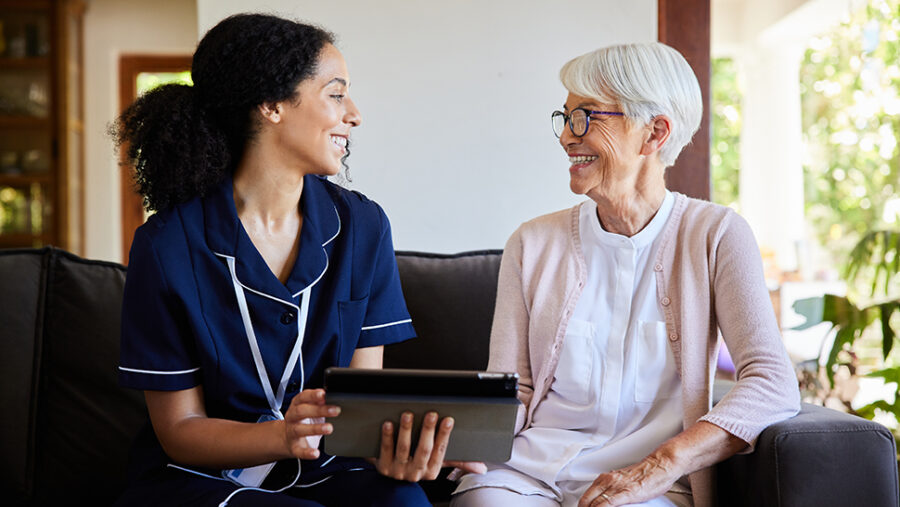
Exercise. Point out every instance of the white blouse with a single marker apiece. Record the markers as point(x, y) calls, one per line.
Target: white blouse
point(616, 393)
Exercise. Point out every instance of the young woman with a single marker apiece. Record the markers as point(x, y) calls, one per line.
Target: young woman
point(255, 275)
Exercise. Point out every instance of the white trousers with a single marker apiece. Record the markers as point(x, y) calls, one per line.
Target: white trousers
point(492, 497)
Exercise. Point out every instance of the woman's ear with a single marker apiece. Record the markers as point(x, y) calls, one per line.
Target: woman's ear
point(270, 111)
point(658, 134)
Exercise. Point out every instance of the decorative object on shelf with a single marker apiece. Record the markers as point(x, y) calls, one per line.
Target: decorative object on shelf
point(9, 162)
point(16, 45)
point(35, 161)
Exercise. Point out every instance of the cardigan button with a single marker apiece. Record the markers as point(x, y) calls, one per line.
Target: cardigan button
point(287, 318)
point(665, 301)
point(658, 267)
point(293, 387)
point(673, 337)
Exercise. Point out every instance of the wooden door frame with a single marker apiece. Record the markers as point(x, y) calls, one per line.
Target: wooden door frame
point(685, 25)
point(130, 65)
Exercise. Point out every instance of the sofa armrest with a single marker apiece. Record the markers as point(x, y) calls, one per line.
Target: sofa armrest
point(820, 457)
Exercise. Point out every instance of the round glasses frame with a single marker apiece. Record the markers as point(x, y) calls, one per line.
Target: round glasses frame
point(579, 115)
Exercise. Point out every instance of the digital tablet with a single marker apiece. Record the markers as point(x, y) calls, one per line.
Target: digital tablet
point(482, 404)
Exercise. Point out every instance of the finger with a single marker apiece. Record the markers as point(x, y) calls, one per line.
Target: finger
point(404, 439)
point(386, 452)
point(426, 442)
point(305, 430)
point(311, 396)
point(308, 413)
point(299, 449)
point(469, 467)
point(440, 444)
point(592, 496)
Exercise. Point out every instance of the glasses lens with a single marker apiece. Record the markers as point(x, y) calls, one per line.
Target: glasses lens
point(579, 122)
point(559, 122)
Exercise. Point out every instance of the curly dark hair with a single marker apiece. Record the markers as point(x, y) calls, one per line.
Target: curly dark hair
point(182, 140)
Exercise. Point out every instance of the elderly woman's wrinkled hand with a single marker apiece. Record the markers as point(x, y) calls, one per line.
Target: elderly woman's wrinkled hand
point(650, 478)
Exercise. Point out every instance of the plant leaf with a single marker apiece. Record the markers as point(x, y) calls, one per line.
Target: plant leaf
point(868, 411)
point(888, 374)
point(813, 309)
point(887, 333)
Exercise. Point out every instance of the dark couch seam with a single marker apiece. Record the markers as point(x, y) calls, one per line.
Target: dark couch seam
point(46, 256)
point(883, 431)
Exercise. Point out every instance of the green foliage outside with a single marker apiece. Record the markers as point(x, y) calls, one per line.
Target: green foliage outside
point(850, 92)
point(725, 157)
point(147, 81)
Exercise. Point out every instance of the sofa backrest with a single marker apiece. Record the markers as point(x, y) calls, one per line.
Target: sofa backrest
point(451, 301)
point(67, 426)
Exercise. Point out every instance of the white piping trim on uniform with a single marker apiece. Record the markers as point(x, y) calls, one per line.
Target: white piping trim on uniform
point(197, 473)
point(246, 488)
point(259, 293)
point(158, 372)
point(310, 286)
point(339, 227)
point(378, 326)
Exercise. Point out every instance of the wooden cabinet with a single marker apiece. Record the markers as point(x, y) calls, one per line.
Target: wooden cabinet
point(41, 123)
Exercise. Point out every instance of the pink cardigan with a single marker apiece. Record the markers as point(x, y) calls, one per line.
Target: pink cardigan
point(709, 277)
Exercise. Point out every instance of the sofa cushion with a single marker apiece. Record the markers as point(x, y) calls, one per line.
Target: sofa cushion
point(83, 423)
point(458, 288)
point(21, 273)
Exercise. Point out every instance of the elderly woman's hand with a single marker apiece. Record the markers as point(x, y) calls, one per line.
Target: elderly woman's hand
point(647, 479)
point(701, 445)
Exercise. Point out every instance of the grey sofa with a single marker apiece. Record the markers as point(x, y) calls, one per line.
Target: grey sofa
point(67, 426)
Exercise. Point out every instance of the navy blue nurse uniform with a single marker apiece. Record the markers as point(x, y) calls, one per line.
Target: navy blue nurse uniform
point(184, 324)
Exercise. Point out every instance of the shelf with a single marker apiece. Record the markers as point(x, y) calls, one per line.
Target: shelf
point(21, 180)
point(24, 121)
point(32, 62)
point(25, 4)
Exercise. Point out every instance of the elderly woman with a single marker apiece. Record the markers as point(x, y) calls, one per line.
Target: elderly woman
point(611, 311)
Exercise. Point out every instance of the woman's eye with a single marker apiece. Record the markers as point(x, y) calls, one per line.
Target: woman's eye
point(338, 98)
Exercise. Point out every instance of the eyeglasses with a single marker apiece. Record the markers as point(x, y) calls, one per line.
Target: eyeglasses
point(579, 120)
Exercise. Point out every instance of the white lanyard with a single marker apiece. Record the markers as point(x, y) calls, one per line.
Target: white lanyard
point(275, 399)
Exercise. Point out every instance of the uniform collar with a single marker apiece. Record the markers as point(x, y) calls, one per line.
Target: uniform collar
point(225, 236)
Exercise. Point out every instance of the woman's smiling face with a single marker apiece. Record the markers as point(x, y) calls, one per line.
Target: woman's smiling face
point(315, 125)
point(607, 154)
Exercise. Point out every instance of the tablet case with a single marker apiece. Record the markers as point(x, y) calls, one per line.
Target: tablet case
point(482, 404)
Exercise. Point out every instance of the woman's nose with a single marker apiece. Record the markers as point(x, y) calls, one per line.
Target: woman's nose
point(352, 115)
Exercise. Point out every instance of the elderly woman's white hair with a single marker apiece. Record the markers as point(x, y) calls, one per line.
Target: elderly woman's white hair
point(645, 80)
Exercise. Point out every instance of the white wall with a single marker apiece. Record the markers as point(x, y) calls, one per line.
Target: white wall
point(113, 27)
point(456, 98)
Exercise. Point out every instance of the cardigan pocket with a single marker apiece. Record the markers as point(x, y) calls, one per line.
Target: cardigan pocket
point(656, 372)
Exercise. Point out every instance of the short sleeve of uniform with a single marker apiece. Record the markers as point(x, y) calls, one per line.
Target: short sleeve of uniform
point(157, 351)
point(386, 319)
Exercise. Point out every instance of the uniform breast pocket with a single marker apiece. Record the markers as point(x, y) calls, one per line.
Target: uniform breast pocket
point(573, 379)
point(657, 376)
point(351, 314)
